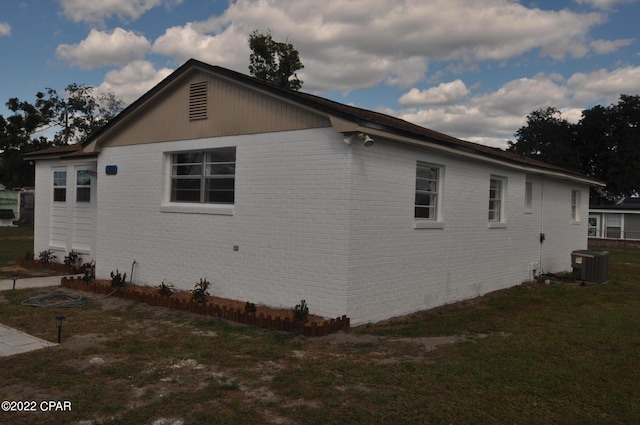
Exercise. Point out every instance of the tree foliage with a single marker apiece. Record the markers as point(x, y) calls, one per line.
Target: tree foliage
point(604, 144)
point(276, 62)
point(51, 120)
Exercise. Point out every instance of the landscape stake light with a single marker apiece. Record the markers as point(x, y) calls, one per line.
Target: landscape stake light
point(15, 277)
point(59, 320)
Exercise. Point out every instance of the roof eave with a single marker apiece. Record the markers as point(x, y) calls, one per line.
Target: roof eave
point(345, 126)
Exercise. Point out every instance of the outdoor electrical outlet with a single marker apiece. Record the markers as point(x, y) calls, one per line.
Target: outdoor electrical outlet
point(236, 248)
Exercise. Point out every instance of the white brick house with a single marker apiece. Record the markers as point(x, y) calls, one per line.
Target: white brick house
point(274, 197)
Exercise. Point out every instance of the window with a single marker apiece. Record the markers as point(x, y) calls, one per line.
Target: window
point(496, 193)
point(83, 186)
point(528, 196)
point(613, 224)
point(59, 186)
point(575, 205)
point(594, 226)
point(204, 177)
point(426, 201)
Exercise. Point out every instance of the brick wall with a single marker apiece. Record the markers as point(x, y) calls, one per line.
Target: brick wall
point(289, 222)
point(318, 220)
point(396, 269)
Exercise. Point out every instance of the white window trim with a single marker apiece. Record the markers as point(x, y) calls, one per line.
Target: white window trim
point(184, 208)
point(167, 206)
point(438, 221)
point(92, 174)
point(55, 170)
point(575, 206)
point(501, 222)
point(528, 197)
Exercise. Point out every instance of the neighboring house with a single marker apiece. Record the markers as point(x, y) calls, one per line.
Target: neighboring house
point(619, 221)
point(9, 206)
point(277, 196)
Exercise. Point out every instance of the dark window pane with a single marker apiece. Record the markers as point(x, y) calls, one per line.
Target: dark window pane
point(220, 184)
point(187, 158)
point(424, 199)
point(222, 155)
point(185, 190)
point(426, 172)
point(83, 194)
point(221, 197)
point(424, 212)
point(428, 185)
point(187, 170)
point(60, 195)
point(214, 169)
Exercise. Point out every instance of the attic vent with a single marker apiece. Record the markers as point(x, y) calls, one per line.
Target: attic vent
point(198, 101)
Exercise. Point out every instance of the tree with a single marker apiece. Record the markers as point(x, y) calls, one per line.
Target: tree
point(51, 120)
point(610, 140)
point(546, 137)
point(276, 62)
point(604, 144)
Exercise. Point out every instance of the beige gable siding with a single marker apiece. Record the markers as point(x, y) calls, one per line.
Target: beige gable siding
point(232, 109)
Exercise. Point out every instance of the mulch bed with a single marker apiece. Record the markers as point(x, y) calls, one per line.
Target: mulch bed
point(233, 310)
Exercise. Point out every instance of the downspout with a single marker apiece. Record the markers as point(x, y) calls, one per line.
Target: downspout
point(542, 235)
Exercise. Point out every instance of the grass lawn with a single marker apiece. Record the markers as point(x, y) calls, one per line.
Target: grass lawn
point(14, 243)
point(17, 242)
point(532, 354)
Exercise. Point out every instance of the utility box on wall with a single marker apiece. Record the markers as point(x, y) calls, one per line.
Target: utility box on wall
point(590, 265)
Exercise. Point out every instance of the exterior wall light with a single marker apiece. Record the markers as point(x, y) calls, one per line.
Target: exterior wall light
point(366, 140)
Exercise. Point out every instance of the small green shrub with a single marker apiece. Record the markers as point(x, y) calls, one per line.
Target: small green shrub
point(118, 280)
point(301, 312)
point(201, 290)
point(47, 256)
point(89, 270)
point(166, 288)
point(73, 258)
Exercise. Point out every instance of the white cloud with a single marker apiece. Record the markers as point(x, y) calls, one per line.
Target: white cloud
point(105, 48)
point(444, 94)
point(603, 4)
point(493, 118)
point(521, 96)
point(348, 45)
point(609, 46)
point(5, 29)
point(96, 11)
point(133, 80)
point(227, 49)
point(604, 85)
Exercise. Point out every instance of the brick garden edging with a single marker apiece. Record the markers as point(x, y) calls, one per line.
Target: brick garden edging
point(261, 320)
point(58, 267)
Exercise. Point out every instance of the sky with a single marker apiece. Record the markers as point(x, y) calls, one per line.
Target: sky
point(473, 69)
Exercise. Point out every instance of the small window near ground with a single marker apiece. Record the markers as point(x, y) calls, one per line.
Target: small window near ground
point(427, 191)
point(204, 177)
point(83, 186)
point(496, 199)
point(59, 186)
